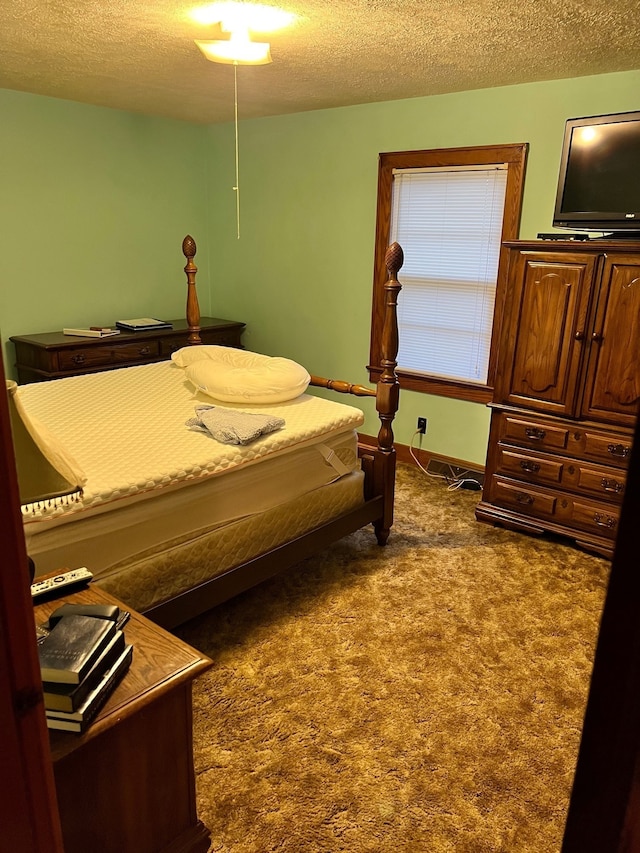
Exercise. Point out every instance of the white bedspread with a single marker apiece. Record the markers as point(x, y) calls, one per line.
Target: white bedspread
point(126, 429)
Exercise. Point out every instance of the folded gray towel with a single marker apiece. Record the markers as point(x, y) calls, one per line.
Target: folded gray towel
point(231, 426)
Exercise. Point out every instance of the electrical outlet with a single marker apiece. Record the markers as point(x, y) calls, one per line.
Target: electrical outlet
point(422, 426)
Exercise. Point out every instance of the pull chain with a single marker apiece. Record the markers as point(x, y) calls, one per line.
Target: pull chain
point(237, 186)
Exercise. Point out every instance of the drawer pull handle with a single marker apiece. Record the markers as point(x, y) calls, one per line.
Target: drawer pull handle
point(621, 450)
point(526, 465)
point(604, 521)
point(579, 335)
point(597, 337)
point(144, 350)
point(523, 498)
point(611, 485)
point(78, 358)
point(535, 433)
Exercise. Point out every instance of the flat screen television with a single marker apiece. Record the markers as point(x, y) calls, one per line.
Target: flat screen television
point(599, 182)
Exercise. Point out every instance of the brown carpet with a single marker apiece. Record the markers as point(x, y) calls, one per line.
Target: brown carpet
point(427, 696)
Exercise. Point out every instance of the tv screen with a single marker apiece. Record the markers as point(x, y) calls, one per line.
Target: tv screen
point(599, 182)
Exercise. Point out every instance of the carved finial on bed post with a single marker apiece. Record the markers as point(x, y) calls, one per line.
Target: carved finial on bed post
point(193, 309)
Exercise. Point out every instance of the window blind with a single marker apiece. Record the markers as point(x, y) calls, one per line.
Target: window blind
point(449, 224)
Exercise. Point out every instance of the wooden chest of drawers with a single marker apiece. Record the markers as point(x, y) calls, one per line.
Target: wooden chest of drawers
point(567, 390)
point(549, 474)
point(53, 355)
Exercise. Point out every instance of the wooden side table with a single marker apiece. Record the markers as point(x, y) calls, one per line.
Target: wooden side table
point(128, 783)
point(52, 355)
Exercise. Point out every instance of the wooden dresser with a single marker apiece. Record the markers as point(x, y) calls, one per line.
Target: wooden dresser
point(52, 355)
point(567, 390)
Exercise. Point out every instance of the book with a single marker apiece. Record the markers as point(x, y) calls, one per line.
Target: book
point(91, 332)
point(78, 720)
point(73, 644)
point(143, 324)
point(68, 697)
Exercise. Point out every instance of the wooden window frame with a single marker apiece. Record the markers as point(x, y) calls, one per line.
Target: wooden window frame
point(514, 156)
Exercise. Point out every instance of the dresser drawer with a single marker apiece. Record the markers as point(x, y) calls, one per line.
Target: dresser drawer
point(605, 483)
point(602, 520)
point(108, 354)
point(570, 474)
point(222, 338)
point(533, 433)
point(556, 507)
point(522, 497)
point(606, 447)
point(170, 345)
point(533, 467)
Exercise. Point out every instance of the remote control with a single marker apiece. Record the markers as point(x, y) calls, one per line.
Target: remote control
point(64, 581)
point(557, 235)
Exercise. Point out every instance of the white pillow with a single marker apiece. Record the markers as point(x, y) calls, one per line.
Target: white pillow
point(238, 376)
point(187, 355)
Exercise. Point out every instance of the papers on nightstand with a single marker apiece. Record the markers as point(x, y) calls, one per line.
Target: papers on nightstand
point(92, 332)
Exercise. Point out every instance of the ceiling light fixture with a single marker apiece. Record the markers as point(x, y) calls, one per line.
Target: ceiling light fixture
point(239, 19)
point(237, 50)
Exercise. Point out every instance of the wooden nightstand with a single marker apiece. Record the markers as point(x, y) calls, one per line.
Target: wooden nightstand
point(52, 355)
point(127, 783)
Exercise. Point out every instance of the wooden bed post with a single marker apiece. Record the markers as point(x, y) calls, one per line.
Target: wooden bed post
point(193, 309)
point(380, 465)
point(388, 393)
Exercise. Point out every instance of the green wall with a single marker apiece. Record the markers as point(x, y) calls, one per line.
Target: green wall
point(95, 203)
point(301, 273)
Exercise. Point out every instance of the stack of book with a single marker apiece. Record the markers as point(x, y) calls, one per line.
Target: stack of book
point(82, 659)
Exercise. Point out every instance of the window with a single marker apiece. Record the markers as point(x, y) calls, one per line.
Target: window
point(450, 210)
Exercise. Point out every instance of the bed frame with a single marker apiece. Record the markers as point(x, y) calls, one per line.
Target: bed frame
point(378, 464)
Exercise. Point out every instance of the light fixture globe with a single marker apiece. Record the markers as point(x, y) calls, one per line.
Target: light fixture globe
point(237, 50)
point(239, 20)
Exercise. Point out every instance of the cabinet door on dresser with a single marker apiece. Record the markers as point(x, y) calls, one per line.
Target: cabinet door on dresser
point(545, 329)
point(612, 386)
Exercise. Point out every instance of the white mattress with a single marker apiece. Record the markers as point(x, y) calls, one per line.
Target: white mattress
point(126, 429)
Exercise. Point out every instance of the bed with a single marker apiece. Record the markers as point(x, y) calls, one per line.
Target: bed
point(172, 521)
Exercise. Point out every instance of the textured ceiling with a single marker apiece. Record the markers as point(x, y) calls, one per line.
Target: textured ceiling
point(140, 56)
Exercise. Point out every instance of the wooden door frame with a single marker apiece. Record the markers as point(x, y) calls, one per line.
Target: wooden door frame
point(28, 810)
point(604, 811)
